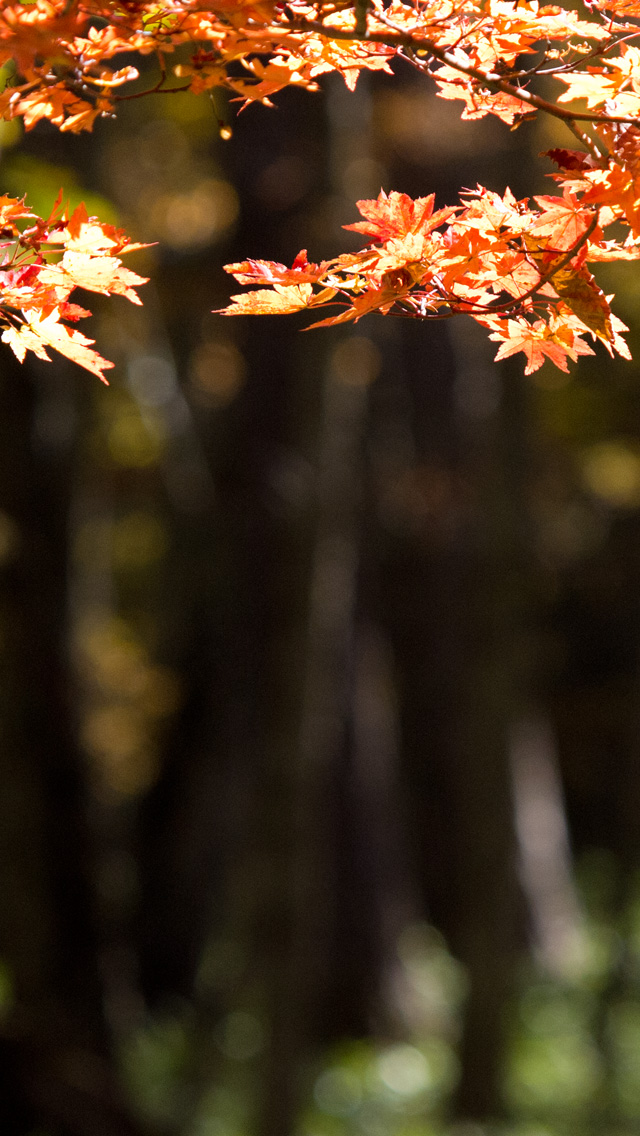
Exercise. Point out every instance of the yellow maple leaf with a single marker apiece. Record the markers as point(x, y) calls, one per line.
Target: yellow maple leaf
point(38, 334)
point(280, 300)
point(104, 274)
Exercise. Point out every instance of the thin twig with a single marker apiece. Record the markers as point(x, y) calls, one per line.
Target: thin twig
point(586, 140)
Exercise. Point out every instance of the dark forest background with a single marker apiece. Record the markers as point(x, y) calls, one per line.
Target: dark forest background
point(320, 671)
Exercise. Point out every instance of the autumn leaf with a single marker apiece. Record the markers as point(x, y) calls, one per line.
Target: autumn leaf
point(563, 220)
point(265, 302)
point(397, 215)
point(587, 301)
point(103, 274)
point(461, 259)
point(374, 299)
point(480, 102)
point(36, 281)
point(270, 272)
point(38, 334)
point(570, 159)
point(608, 251)
point(89, 235)
point(539, 342)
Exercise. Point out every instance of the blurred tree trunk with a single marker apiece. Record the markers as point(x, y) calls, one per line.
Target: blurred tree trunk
point(57, 1066)
point(454, 592)
point(324, 955)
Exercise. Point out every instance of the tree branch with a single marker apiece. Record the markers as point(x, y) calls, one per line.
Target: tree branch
point(489, 79)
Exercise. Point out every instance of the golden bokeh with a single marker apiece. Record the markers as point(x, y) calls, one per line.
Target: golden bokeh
point(139, 540)
point(126, 699)
point(196, 217)
point(356, 361)
point(134, 443)
point(217, 373)
point(611, 470)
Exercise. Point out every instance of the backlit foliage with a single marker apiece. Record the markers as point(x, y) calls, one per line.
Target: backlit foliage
point(43, 261)
point(520, 268)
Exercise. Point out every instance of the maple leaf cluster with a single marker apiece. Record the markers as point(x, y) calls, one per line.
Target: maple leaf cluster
point(42, 262)
point(518, 270)
point(518, 267)
point(64, 54)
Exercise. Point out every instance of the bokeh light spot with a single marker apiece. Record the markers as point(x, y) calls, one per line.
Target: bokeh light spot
point(217, 373)
point(133, 443)
point(138, 541)
point(404, 1070)
point(194, 218)
point(240, 1036)
point(9, 539)
point(338, 1092)
point(356, 361)
point(611, 471)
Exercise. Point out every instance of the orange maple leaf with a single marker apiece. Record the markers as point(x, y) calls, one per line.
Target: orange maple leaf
point(563, 220)
point(397, 215)
point(539, 342)
point(271, 272)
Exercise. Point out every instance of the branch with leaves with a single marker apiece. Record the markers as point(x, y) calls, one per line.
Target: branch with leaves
point(518, 270)
point(43, 262)
point(518, 267)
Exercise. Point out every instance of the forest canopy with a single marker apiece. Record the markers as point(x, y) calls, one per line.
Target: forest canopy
point(521, 268)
